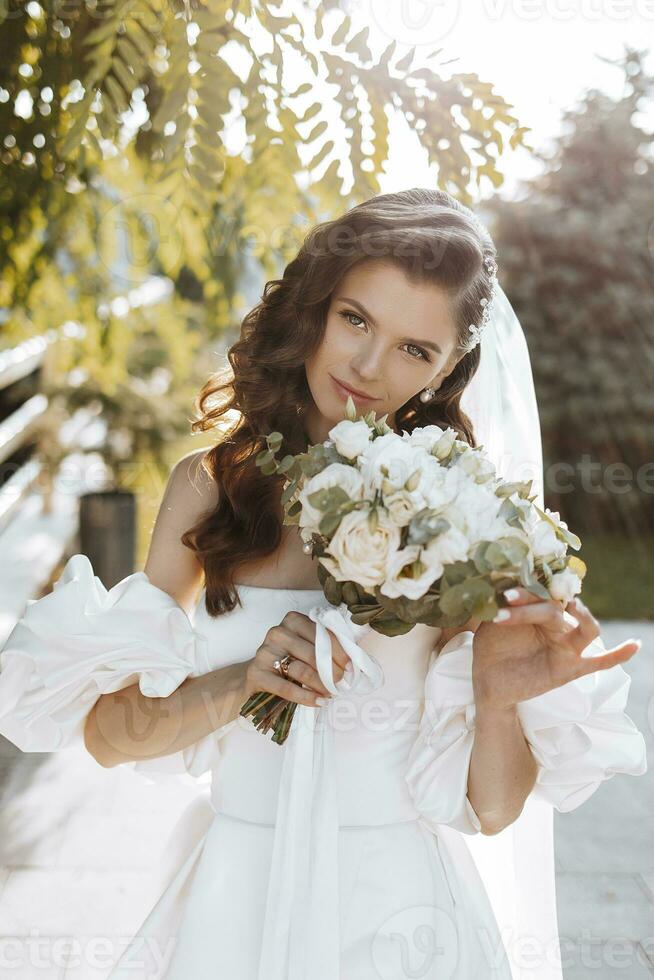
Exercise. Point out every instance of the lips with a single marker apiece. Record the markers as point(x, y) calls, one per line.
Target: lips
point(353, 391)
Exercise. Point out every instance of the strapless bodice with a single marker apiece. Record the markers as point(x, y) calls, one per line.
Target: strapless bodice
point(373, 733)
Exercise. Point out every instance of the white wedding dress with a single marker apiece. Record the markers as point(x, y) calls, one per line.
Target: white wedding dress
point(404, 896)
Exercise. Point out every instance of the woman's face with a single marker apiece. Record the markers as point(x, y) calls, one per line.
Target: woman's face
point(378, 339)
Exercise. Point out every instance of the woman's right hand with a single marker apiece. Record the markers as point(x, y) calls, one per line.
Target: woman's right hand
point(295, 635)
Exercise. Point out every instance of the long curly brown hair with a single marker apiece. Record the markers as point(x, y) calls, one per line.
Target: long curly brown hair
point(428, 234)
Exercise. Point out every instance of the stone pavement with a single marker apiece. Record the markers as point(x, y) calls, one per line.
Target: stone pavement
point(605, 850)
point(80, 846)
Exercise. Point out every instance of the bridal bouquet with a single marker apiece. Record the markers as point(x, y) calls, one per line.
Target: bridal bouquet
point(413, 528)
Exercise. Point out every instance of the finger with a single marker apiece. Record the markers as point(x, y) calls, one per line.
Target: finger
point(616, 655)
point(517, 596)
point(297, 623)
point(276, 684)
point(339, 656)
point(542, 612)
point(298, 670)
point(588, 628)
point(282, 641)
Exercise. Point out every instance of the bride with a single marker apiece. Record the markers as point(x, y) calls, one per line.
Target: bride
point(401, 831)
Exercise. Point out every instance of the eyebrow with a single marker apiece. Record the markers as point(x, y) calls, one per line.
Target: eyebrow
point(409, 340)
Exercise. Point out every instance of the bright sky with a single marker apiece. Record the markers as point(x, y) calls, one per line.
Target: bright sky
point(541, 55)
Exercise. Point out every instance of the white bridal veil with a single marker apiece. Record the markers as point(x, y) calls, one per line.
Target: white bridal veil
point(516, 865)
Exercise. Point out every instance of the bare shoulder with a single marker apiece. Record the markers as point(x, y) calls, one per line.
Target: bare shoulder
point(190, 480)
point(190, 494)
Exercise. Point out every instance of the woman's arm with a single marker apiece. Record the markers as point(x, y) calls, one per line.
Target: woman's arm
point(502, 769)
point(127, 724)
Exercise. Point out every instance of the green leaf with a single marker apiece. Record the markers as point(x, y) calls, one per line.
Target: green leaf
point(170, 107)
point(141, 40)
point(342, 32)
point(323, 153)
point(328, 498)
point(126, 79)
point(329, 524)
point(359, 45)
point(310, 112)
point(289, 491)
point(333, 590)
point(286, 464)
point(404, 64)
point(465, 598)
point(317, 131)
point(302, 90)
point(116, 94)
point(389, 625)
point(104, 31)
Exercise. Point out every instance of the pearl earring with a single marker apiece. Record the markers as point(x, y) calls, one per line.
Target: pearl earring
point(427, 394)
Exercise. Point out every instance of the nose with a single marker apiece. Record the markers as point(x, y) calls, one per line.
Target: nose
point(366, 365)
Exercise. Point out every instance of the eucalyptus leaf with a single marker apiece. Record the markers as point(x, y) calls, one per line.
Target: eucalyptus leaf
point(426, 525)
point(466, 597)
point(289, 491)
point(390, 625)
point(286, 464)
point(333, 590)
point(350, 593)
point(329, 524)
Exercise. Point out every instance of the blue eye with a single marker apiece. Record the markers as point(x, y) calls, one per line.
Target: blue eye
point(346, 314)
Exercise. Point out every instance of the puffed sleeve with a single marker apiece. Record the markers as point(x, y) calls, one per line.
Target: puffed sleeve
point(81, 641)
point(439, 759)
point(579, 735)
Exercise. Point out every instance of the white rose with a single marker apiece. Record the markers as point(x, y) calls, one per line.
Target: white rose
point(448, 547)
point(334, 475)
point(359, 554)
point(443, 484)
point(402, 505)
point(425, 437)
point(390, 458)
point(351, 438)
point(565, 585)
point(476, 465)
point(399, 585)
point(544, 542)
point(474, 511)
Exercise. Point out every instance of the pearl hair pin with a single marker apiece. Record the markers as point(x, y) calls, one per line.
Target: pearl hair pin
point(474, 329)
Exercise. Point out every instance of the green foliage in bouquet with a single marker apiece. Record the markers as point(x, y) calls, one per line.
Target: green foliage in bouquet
point(465, 589)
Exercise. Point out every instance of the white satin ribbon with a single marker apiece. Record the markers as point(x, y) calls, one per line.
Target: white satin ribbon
point(301, 926)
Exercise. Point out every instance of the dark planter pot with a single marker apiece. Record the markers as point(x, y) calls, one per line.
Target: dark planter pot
point(107, 533)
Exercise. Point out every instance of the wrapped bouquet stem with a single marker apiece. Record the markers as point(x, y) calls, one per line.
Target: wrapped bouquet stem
point(413, 528)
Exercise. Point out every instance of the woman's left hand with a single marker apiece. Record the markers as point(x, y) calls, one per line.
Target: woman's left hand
point(537, 649)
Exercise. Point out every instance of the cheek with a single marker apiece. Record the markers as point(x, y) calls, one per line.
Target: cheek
point(334, 347)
